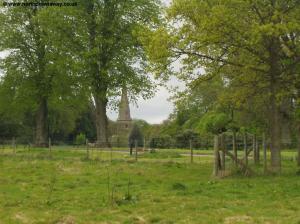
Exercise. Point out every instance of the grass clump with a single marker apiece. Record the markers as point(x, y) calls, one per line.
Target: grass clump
point(179, 187)
point(162, 155)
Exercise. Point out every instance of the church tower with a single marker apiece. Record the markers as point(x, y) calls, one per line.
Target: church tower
point(124, 121)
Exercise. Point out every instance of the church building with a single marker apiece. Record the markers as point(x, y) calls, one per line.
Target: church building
point(120, 129)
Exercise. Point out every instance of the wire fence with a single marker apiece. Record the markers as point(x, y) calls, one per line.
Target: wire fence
point(197, 143)
point(112, 151)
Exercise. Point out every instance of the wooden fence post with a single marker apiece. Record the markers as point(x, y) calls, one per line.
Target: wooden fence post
point(111, 152)
point(234, 148)
point(217, 156)
point(49, 146)
point(254, 148)
point(257, 152)
point(87, 149)
point(14, 145)
point(223, 150)
point(192, 151)
point(245, 149)
point(265, 152)
point(136, 150)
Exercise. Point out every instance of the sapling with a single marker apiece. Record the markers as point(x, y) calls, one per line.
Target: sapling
point(51, 188)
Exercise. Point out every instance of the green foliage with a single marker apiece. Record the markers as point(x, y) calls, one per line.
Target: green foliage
point(250, 48)
point(55, 54)
point(42, 66)
point(162, 142)
point(85, 124)
point(184, 137)
point(80, 139)
point(112, 41)
point(144, 127)
point(135, 136)
point(215, 123)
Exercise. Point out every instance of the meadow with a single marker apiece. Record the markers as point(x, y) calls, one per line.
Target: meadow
point(64, 186)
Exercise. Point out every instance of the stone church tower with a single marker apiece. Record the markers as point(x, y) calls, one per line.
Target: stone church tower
point(123, 125)
point(124, 119)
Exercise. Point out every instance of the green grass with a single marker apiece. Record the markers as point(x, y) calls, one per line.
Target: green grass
point(163, 187)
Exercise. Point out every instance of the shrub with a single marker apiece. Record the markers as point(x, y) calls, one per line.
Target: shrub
point(80, 139)
point(135, 135)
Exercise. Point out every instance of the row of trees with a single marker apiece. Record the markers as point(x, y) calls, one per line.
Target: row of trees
point(67, 61)
point(161, 136)
point(241, 63)
point(239, 58)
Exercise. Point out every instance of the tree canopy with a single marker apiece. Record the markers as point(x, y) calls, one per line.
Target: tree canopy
point(253, 45)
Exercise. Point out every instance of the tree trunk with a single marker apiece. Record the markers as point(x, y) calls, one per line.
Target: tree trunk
point(192, 151)
point(99, 85)
point(245, 150)
point(234, 147)
point(254, 147)
point(298, 146)
point(217, 156)
point(257, 148)
point(264, 146)
point(223, 148)
point(87, 149)
point(41, 131)
point(136, 150)
point(275, 135)
point(274, 113)
point(131, 145)
point(101, 122)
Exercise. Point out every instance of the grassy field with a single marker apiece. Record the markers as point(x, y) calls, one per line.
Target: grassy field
point(163, 187)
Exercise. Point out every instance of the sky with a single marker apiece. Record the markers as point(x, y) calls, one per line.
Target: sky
point(154, 110)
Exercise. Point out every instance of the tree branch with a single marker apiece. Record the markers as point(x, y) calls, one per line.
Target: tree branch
point(218, 59)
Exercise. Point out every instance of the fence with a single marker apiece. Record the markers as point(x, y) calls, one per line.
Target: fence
point(152, 142)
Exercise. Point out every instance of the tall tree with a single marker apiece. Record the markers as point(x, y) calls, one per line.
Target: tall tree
point(253, 41)
point(39, 72)
point(115, 58)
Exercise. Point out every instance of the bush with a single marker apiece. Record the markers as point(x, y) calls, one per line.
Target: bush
point(162, 142)
point(214, 123)
point(135, 135)
point(80, 139)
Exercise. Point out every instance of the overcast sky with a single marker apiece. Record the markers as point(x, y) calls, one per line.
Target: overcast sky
point(153, 110)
